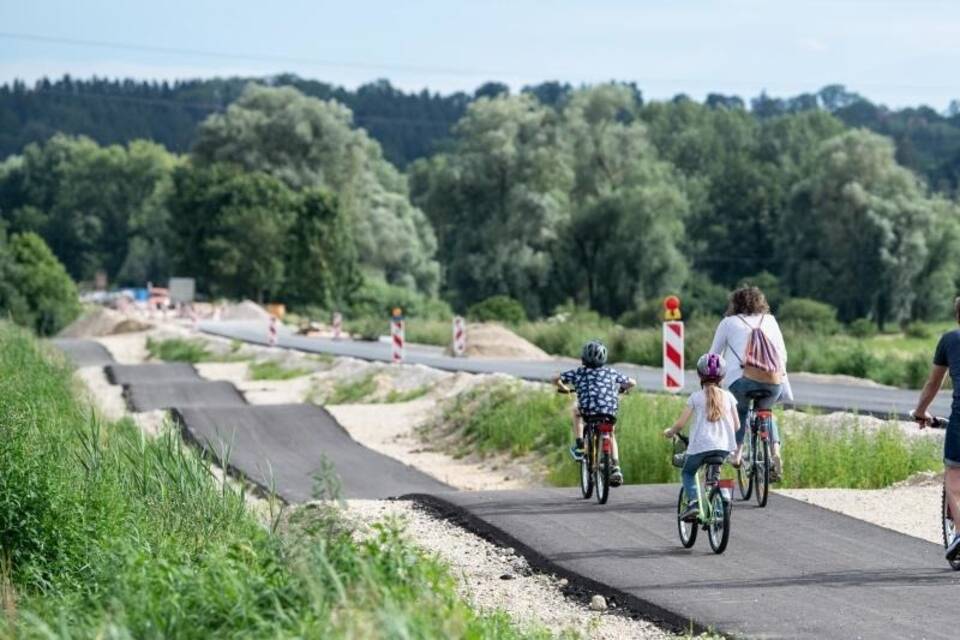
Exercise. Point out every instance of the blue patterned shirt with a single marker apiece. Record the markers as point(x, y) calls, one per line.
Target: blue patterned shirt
point(597, 390)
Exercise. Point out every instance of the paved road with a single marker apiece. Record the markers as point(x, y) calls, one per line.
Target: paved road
point(809, 392)
point(178, 395)
point(284, 447)
point(791, 571)
point(83, 353)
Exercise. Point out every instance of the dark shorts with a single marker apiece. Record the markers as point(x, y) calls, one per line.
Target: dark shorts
point(951, 441)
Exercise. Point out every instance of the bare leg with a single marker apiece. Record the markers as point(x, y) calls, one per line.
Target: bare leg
point(614, 448)
point(951, 479)
point(577, 422)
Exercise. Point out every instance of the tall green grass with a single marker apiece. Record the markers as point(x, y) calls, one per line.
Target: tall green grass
point(521, 420)
point(107, 534)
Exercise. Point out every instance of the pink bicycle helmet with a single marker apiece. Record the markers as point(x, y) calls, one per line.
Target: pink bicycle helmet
point(711, 368)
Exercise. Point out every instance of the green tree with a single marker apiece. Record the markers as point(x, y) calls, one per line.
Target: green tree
point(322, 264)
point(36, 291)
point(230, 229)
point(306, 142)
point(859, 231)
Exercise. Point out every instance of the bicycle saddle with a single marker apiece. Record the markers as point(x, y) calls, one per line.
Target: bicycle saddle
point(600, 417)
point(714, 459)
point(759, 394)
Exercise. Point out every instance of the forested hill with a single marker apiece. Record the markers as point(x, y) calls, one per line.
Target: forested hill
point(407, 125)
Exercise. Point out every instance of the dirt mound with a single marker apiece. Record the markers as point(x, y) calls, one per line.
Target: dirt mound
point(246, 310)
point(103, 322)
point(496, 341)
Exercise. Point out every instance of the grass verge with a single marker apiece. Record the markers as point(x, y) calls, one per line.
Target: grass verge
point(522, 420)
point(273, 370)
point(107, 534)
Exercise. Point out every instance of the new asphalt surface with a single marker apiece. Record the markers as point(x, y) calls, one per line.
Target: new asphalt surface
point(288, 448)
point(83, 353)
point(808, 392)
point(791, 570)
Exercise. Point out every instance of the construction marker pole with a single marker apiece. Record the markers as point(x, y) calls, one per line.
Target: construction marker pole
point(397, 338)
point(337, 323)
point(272, 332)
point(673, 372)
point(459, 336)
point(194, 320)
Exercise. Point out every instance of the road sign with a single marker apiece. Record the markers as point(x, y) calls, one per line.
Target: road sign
point(459, 336)
point(181, 290)
point(397, 340)
point(673, 375)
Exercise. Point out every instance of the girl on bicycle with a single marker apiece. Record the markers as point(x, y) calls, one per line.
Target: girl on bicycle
point(715, 425)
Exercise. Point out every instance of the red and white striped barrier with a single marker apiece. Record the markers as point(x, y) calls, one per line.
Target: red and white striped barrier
point(337, 323)
point(397, 338)
point(673, 373)
point(459, 336)
point(194, 320)
point(272, 332)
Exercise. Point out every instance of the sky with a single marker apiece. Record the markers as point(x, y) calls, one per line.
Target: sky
point(898, 53)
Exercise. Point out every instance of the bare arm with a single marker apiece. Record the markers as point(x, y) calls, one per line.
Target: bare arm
point(679, 424)
point(719, 340)
point(930, 389)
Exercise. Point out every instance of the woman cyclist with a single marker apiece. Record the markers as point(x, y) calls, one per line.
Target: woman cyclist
point(748, 310)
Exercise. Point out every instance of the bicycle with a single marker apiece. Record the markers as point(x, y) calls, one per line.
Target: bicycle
point(754, 471)
point(714, 513)
point(596, 464)
point(946, 513)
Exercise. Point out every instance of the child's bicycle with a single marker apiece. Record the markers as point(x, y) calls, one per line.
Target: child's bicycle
point(596, 465)
point(715, 510)
point(754, 472)
point(946, 513)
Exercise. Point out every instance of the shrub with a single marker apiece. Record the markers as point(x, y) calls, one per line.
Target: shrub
point(377, 299)
point(809, 315)
point(35, 289)
point(862, 328)
point(178, 350)
point(918, 330)
point(498, 309)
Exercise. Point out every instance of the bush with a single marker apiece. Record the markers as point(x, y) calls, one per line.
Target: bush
point(35, 289)
point(377, 299)
point(178, 350)
point(809, 315)
point(918, 330)
point(498, 309)
point(862, 328)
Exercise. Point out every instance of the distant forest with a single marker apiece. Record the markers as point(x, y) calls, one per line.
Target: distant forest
point(409, 126)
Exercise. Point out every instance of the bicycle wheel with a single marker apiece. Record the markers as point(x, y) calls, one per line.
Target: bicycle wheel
point(948, 529)
point(718, 529)
point(761, 472)
point(744, 473)
point(586, 473)
point(602, 476)
point(687, 530)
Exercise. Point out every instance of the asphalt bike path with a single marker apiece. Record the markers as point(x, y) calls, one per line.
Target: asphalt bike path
point(809, 393)
point(83, 353)
point(291, 449)
point(791, 570)
point(284, 448)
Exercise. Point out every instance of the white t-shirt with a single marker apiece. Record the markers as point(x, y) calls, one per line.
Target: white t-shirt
point(712, 436)
point(730, 342)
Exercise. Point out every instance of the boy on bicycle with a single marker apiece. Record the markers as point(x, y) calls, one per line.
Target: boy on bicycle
point(597, 387)
point(715, 424)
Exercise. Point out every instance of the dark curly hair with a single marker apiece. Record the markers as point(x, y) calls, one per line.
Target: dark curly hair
point(748, 301)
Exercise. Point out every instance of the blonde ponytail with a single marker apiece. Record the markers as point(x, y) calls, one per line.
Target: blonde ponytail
point(714, 397)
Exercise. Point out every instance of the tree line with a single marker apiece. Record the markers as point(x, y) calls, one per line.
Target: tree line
point(555, 195)
point(413, 125)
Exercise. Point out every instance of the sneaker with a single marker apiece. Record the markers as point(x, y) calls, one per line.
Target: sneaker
point(776, 469)
point(691, 512)
point(577, 450)
point(953, 549)
point(616, 477)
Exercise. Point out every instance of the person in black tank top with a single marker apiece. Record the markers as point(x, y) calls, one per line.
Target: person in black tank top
point(946, 359)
